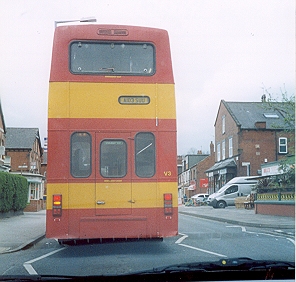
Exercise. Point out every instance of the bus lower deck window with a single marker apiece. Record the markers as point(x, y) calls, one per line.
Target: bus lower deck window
point(113, 158)
point(80, 154)
point(145, 154)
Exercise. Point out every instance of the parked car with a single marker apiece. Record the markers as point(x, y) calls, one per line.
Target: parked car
point(198, 198)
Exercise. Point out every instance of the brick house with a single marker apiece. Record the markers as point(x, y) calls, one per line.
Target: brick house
point(187, 178)
point(247, 134)
point(200, 174)
point(23, 148)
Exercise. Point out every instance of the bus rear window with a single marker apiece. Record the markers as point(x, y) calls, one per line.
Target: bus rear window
point(80, 154)
point(113, 159)
point(145, 154)
point(112, 58)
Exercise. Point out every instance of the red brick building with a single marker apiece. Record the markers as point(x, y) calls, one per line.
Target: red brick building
point(189, 175)
point(200, 168)
point(247, 134)
point(23, 148)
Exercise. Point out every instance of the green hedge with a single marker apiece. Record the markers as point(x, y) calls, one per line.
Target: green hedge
point(13, 192)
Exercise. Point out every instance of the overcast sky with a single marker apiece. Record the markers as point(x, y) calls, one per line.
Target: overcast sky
point(221, 49)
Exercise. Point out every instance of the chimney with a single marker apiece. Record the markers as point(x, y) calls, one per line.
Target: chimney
point(260, 124)
point(211, 149)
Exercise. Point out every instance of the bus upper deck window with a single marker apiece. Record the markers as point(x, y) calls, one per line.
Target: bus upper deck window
point(112, 58)
point(145, 154)
point(80, 154)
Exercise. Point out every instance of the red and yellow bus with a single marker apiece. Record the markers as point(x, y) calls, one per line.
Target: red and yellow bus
point(112, 170)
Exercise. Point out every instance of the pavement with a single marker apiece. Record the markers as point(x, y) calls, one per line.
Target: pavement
point(19, 232)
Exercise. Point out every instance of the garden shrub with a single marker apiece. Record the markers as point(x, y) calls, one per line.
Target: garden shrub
point(13, 192)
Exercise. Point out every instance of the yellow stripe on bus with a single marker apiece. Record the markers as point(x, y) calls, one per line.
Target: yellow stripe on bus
point(115, 195)
point(100, 100)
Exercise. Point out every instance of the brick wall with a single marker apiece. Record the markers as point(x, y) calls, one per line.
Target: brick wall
point(275, 209)
point(35, 205)
point(202, 166)
point(231, 130)
point(256, 147)
point(19, 158)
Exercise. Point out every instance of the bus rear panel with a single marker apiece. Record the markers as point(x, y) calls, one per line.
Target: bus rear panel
point(112, 170)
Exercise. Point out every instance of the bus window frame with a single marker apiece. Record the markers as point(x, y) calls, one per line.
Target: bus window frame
point(108, 73)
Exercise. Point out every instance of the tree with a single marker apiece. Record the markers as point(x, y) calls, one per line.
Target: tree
point(287, 109)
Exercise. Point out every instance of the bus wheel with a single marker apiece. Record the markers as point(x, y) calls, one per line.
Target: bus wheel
point(221, 204)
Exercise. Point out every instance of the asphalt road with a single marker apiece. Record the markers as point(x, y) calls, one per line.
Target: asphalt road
point(199, 240)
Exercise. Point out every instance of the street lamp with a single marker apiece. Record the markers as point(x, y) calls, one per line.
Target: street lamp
point(82, 20)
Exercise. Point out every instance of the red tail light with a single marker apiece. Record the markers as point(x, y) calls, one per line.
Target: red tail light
point(57, 205)
point(168, 203)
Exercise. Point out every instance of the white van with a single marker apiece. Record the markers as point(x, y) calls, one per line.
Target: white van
point(236, 187)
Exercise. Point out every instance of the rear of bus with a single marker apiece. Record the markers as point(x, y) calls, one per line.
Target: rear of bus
point(112, 170)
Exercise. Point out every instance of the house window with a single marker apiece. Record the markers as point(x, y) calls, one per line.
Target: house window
point(35, 191)
point(218, 152)
point(230, 153)
point(223, 150)
point(223, 124)
point(283, 145)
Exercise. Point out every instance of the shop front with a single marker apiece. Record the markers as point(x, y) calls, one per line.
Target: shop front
point(220, 173)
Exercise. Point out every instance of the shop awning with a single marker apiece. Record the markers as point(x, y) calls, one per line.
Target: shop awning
point(223, 164)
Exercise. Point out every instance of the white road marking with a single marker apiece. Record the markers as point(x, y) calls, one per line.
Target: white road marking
point(202, 250)
point(242, 227)
point(278, 230)
point(194, 248)
point(27, 265)
point(291, 240)
point(30, 269)
point(181, 239)
point(229, 226)
point(266, 234)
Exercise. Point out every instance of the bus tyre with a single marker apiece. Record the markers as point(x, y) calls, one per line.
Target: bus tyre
point(221, 205)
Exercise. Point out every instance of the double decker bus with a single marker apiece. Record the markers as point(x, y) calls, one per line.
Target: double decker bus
point(112, 170)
